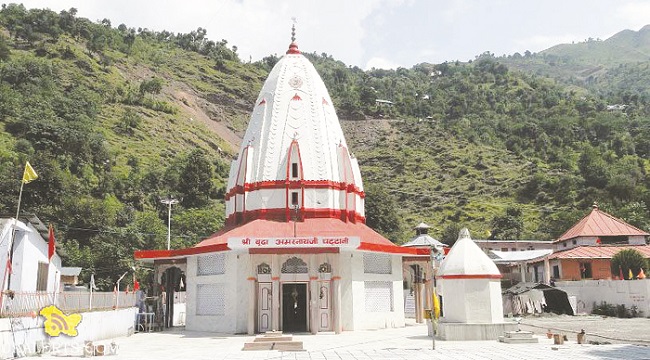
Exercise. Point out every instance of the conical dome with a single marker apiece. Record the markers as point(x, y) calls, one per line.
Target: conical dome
point(467, 260)
point(294, 160)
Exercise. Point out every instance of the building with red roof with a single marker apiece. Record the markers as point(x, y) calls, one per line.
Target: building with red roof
point(586, 249)
point(295, 254)
point(600, 228)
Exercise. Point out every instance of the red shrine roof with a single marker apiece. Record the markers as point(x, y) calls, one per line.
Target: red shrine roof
point(370, 239)
point(599, 223)
point(598, 252)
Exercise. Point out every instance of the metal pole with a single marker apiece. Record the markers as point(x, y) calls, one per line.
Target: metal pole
point(433, 288)
point(169, 226)
point(10, 253)
point(117, 296)
point(169, 202)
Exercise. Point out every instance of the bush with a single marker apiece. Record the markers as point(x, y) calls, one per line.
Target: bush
point(626, 260)
point(620, 311)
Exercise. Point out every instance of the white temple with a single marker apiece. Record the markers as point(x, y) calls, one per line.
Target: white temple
point(295, 254)
point(470, 286)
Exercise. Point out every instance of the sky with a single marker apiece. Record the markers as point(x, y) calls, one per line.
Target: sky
point(375, 33)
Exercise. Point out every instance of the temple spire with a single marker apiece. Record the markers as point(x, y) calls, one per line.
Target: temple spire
point(293, 47)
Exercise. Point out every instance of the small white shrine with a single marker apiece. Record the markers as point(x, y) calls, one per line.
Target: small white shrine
point(470, 287)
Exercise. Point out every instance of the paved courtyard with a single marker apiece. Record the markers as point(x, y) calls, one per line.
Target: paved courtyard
point(410, 343)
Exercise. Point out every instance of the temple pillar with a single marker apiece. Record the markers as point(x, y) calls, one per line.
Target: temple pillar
point(336, 305)
point(276, 292)
point(252, 285)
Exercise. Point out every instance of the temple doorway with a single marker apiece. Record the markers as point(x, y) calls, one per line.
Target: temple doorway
point(294, 307)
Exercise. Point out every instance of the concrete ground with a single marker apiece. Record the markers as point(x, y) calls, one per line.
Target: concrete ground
point(409, 343)
point(598, 328)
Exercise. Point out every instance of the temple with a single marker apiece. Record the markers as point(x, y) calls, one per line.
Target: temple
point(295, 253)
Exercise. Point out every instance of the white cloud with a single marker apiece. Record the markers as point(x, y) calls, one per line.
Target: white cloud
point(455, 9)
point(258, 28)
point(380, 63)
point(635, 14)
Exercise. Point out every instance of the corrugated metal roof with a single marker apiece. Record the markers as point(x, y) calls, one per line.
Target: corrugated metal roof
point(599, 223)
point(514, 256)
point(424, 240)
point(598, 252)
point(70, 271)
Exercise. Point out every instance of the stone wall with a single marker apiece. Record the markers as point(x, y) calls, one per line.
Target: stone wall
point(626, 292)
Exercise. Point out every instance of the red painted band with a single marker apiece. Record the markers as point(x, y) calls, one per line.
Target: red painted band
point(294, 184)
point(280, 214)
point(156, 254)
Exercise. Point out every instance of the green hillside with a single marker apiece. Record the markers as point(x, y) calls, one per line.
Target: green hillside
point(114, 119)
point(615, 68)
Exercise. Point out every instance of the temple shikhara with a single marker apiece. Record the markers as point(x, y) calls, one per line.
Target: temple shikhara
point(295, 253)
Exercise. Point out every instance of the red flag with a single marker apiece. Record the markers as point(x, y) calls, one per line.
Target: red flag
point(51, 245)
point(136, 285)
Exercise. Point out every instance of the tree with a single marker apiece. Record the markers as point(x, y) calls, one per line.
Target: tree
point(195, 179)
point(153, 86)
point(5, 52)
point(381, 214)
point(450, 234)
point(129, 121)
point(510, 225)
point(593, 168)
point(626, 260)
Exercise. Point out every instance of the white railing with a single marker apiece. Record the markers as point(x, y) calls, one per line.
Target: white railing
point(16, 304)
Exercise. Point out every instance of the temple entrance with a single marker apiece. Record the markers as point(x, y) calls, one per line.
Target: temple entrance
point(173, 284)
point(294, 307)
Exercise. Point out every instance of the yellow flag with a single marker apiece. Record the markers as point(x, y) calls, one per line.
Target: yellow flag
point(29, 174)
point(629, 275)
point(436, 306)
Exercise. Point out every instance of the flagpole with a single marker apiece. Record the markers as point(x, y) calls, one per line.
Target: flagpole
point(28, 175)
point(6, 279)
point(92, 285)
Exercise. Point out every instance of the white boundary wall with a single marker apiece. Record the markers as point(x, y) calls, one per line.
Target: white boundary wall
point(94, 326)
point(627, 292)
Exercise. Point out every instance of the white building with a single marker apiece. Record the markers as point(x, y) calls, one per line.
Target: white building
point(295, 254)
point(470, 286)
point(31, 269)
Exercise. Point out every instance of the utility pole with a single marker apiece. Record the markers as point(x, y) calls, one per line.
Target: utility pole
point(169, 201)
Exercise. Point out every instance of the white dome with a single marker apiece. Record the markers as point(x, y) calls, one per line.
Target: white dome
point(467, 260)
point(294, 152)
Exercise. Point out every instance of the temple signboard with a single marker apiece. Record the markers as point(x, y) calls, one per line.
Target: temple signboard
point(348, 242)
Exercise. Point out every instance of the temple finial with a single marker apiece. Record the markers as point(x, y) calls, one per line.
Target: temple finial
point(293, 47)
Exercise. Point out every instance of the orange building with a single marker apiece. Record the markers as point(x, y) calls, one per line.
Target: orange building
point(585, 250)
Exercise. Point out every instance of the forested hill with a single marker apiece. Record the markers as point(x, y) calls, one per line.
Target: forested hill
point(113, 119)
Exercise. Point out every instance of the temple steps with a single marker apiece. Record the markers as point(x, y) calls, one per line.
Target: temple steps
point(274, 340)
